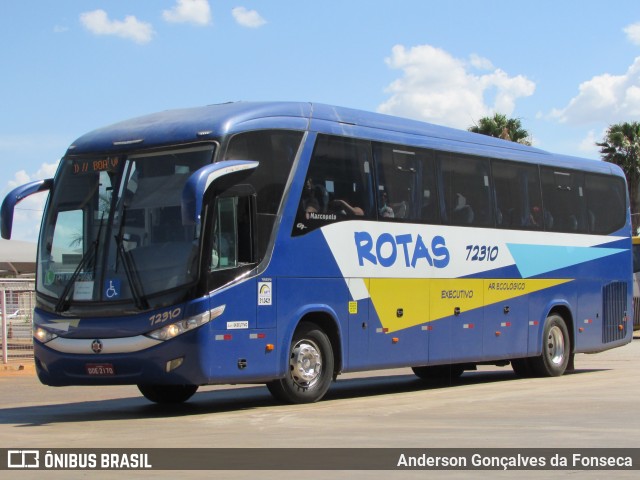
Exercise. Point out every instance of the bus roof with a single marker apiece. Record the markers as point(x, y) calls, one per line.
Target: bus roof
point(214, 121)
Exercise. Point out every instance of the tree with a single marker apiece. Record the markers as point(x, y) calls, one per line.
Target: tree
point(500, 126)
point(621, 145)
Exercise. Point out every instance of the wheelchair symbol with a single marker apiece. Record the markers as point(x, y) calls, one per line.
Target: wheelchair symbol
point(113, 290)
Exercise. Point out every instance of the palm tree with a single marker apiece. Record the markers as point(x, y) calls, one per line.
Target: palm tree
point(500, 126)
point(621, 145)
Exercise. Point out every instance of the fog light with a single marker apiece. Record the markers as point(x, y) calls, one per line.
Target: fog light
point(173, 364)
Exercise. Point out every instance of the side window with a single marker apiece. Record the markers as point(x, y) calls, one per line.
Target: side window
point(232, 239)
point(275, 150)
point(517, 196)
point(606, 200)
point(466, 189)
point(338, 185)
point(563, 200)
point(636, 257)
point(406, 184)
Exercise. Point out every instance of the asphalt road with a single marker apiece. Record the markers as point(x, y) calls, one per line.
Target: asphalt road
point(595, 406)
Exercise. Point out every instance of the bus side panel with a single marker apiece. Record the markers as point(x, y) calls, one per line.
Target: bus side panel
point(241, 356)
point(400, 307)
point(589, 317)
point(440, 341)
point(506, 329)
point(237, 349)
point(406, 347)
point(457, 336)
point(357, 357)
point(324, 301)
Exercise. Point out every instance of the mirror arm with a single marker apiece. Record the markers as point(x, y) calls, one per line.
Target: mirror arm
point(14, 197)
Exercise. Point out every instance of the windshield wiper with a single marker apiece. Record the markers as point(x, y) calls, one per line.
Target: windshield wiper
point(129, 268)
point(88, 255)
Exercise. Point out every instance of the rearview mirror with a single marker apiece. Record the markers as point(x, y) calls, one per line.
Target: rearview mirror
point(14, 197)
point(224, 174)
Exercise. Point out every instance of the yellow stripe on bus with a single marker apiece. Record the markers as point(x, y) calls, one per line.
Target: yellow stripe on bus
point(402, 303)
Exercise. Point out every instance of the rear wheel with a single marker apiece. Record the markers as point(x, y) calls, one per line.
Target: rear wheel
point(310, 367)
point(556, 349)
point(168, 394)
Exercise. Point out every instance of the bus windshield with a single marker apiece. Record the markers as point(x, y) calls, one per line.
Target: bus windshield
point(113, 230)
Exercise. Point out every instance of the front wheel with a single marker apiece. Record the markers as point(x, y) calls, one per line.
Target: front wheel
point(310, 368)
point(556, 351)
point(168, 394)
point(521, 367)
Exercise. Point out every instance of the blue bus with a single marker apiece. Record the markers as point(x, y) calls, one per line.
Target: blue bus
point(286, 243)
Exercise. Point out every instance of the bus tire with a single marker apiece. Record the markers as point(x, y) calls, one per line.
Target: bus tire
point(168, 394)
point(310, 368)
point(556, 349)
point(439, 373)
point(521, 367)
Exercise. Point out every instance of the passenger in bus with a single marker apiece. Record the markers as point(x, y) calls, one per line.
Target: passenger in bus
point(343, 208)
point(429, 211)
point(385, 209)
point(535, 217)
point(400, 209)
point(572, 223)
point(462, 213)
point(309, 202)
point(539, 218)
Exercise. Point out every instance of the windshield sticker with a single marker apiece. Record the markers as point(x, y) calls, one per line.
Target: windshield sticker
point(112, 289)
point(83, 290)
point(49, 277)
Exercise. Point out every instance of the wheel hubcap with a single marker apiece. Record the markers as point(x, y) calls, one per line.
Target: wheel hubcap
point(306, 363)
point(555, 346)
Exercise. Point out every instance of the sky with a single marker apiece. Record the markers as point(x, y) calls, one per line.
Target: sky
point(567, 69)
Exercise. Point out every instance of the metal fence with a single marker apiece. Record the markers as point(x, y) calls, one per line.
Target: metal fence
point(17, 299)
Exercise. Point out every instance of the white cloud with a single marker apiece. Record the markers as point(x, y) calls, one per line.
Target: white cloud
point(437, 87)
point(248, 18)
point(189, 11)
point(28, 213)
point(98, 23)
point(588, 144)
point(633, 33)
point(480, 63)
point(605, 98)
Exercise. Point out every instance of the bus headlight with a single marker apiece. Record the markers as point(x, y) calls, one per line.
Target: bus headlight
point(178, 328)
point(42, 335)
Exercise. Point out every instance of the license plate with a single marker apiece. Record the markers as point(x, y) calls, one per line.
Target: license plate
point(100, 369)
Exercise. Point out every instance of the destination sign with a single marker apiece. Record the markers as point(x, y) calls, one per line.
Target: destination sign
point(108, 164)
